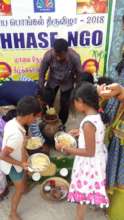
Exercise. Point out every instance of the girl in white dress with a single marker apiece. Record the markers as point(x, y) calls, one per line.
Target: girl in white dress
point(89, 170)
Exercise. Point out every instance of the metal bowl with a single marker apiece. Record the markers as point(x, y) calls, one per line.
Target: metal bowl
point(34, 143)
point(61, 137)
point(39, 168)
point(36, 148)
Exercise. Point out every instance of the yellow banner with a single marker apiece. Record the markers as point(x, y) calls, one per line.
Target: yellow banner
point(24, 39)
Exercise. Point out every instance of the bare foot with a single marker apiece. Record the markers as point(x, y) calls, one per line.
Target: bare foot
point(14, 217)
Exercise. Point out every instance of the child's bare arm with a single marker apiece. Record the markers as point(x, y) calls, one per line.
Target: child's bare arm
point(5, 155)
point(24, 155)
point(24, 152)
point(112, 90)
point(74, 132)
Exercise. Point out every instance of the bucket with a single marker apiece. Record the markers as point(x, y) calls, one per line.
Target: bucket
point(116, 208)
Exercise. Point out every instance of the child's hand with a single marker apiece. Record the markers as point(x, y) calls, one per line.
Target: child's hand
point(62, 148)
point(100, 89)
point(58, 146)
point(74, 132)
point(109, 91)
point(25, 165)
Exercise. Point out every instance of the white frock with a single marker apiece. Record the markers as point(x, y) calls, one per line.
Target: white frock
point(89, 173)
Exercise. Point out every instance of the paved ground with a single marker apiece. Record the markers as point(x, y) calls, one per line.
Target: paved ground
point(33, 207)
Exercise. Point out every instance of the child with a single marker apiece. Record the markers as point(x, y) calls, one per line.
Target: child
point(3, 186)
point(2, 125)
point(3, 120)
point(13, 156)
point(88, 175)
point(35, 129)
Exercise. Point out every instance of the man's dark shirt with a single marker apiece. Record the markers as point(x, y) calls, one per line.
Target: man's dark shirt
point(61, 73)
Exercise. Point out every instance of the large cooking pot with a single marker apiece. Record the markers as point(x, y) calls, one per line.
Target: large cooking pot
point(50, 126)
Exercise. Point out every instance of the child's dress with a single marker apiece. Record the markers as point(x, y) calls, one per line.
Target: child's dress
point(89, 173)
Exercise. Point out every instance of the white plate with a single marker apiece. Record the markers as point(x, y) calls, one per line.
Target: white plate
point(36, 176)
point(64, 172)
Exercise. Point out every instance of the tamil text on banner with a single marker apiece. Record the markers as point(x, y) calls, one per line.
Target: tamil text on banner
point(33, 25)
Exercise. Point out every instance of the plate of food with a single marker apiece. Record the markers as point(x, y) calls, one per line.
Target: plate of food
point(51, 170)
point(38, 162)
point(65, 139)
point(34, 143)
point(54, 189)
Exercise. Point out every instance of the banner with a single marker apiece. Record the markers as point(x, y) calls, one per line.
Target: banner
point(29, 28)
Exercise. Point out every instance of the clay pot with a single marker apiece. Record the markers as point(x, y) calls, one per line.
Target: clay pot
point(51, 125)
